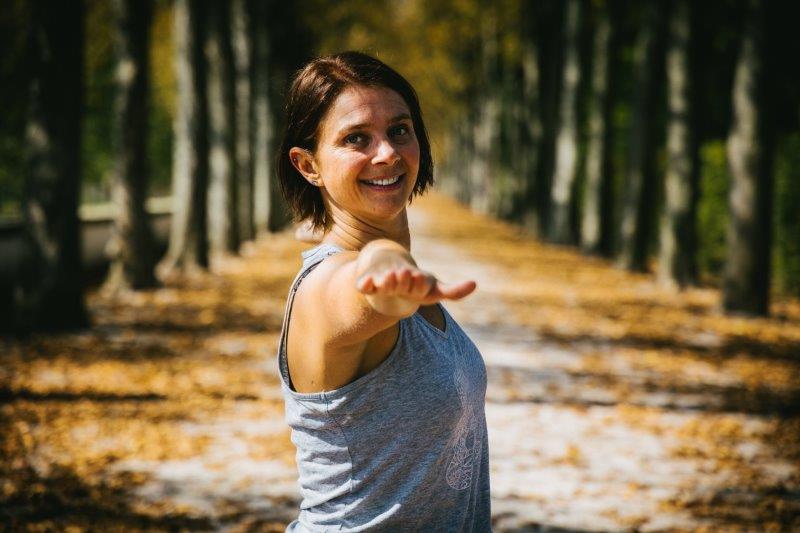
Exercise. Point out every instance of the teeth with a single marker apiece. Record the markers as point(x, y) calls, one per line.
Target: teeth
point(388, 181)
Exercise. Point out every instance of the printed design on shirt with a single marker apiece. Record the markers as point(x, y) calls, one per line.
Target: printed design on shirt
point(467, 439)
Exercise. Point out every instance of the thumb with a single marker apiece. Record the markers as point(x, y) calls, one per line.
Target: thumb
point(453, 291)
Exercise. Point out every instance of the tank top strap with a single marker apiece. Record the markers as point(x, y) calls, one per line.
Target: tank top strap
point(311, 259)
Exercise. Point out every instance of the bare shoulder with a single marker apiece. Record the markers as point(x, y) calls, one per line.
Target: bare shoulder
point(313, 293)
point(313, 328)
point(319, 279)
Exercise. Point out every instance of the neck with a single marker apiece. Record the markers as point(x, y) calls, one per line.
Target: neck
point(353, 233)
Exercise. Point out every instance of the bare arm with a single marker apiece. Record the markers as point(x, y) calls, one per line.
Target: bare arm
point(365, 292)
point(393, 284)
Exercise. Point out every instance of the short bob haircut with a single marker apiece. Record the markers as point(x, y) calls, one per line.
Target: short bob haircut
point(314, 89)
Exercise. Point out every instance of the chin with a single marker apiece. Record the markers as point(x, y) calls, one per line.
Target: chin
point(387, 213)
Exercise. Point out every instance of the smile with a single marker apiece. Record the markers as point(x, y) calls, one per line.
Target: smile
point(384, 182)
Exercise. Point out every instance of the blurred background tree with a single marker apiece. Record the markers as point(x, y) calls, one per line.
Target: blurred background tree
point(48, 294)
point(498, 81)
point(131, 247)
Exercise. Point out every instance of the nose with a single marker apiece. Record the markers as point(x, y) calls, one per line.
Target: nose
point(385, 153)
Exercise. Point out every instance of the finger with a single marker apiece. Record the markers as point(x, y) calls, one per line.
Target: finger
point(366, 284)
point(422, 283)
point(454, 291)
point(403, 281)
point(386, 283)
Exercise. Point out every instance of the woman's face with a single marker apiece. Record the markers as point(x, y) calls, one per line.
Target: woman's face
point(367, 155)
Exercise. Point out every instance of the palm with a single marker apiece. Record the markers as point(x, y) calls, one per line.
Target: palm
point(413, 284)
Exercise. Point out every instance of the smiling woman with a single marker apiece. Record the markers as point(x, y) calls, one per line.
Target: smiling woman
point(383, 390)
point(367, 156)
point(314, 91)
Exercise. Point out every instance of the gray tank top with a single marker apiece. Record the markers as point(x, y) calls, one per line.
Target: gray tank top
point(402, 448)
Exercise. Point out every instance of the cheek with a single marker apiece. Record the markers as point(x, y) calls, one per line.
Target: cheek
point(412, 155)
point(342, 164)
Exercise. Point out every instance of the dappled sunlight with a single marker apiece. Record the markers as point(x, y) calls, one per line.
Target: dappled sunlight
point(613, 402)
point(615, 367)
point(135, 423)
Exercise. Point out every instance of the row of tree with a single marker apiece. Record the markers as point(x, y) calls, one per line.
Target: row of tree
point(610, 124)
point(224, 128)
point(537, 144)
point(224, 121)
point(596, 123)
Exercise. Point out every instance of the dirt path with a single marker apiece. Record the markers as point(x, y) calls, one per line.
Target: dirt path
point(580, 441)
point(560, 457)
point(612, 404)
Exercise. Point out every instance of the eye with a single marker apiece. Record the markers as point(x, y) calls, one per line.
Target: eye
point(355, 138)
point(400, 130)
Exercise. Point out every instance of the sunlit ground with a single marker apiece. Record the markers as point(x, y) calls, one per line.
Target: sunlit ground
point(612, 403)
point(615, 403)
point(105, 429)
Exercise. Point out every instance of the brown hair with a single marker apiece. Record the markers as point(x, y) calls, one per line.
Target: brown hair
point(314, 89)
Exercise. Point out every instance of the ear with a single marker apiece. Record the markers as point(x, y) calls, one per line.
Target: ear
point(306, 165)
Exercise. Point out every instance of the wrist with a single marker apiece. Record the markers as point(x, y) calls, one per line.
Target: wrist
point(381, 255)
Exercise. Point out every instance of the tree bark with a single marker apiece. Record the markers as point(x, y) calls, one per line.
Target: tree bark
point(241, 32)
point(268, 210)
point(508, 182)
point(550, 61)
point(677, 228)
point(51, 294)
point(222, 216)
point(566, 168)
point(527, 211)
point(640, 177)
point(749, 150)
point(131, 248)
point(188, 241)
point(596, 223)
point(486, 126)
point(459, 186)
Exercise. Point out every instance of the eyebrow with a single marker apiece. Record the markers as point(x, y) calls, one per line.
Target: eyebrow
point(398, 118)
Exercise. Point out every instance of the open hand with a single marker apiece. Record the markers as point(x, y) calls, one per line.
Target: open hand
point(411, 283)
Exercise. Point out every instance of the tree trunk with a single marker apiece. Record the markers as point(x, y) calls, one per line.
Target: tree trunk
point(51, 295)
point(527, 211)
point(640, 187)
point(596, 223)
point(677, 235)
point(131, 248)
point(223, 230)
point(550, 60)
point(508, 182)
point(458, 186)
point(486, 126)
point(268, 210)
point(188, 241)
point(242, 55)
point(566, 168)
point(749, 150)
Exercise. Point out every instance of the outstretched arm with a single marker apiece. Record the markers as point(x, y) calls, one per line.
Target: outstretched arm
point(393, 284)
point(365, 292)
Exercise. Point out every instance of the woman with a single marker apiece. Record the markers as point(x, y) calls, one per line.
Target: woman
point(384, 392)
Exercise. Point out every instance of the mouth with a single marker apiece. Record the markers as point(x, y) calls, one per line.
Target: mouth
point(385, 183)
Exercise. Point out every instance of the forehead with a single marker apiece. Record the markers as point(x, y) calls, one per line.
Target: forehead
point(363, 105)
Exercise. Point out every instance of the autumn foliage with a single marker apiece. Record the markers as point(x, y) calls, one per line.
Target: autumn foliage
point(97, 426)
